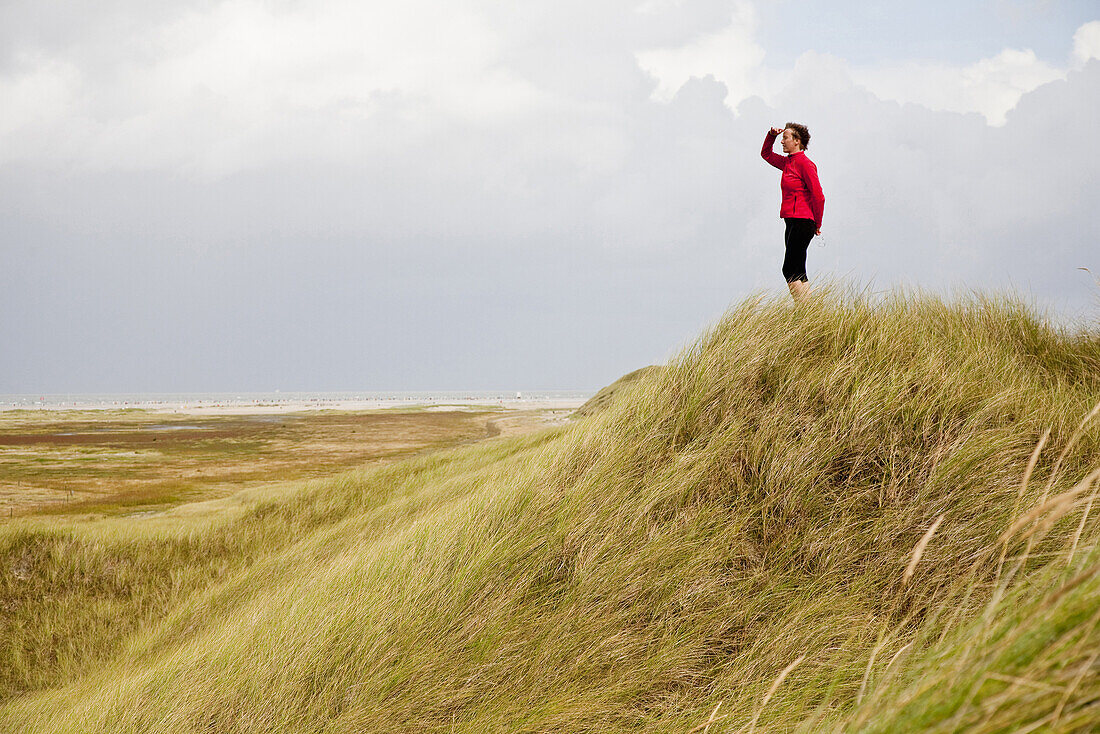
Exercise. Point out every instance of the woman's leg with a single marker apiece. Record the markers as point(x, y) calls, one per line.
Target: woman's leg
point(799, 289)
point(796, 239)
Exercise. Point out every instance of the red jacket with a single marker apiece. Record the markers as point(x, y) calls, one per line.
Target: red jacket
point(802, 196)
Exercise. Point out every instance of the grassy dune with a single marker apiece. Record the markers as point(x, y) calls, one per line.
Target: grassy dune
point(818, 518)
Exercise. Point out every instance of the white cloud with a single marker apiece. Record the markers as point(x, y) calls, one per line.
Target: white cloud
point(730, 55)
point(244, 84)
point(1086, 43)
point(990, 87)
point(657, 7)
point(40, 93)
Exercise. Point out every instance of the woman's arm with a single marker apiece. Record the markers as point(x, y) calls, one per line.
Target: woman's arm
point(766, 152)
point(808, 172)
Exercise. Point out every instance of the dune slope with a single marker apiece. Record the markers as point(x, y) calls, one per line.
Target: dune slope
point(814, 519)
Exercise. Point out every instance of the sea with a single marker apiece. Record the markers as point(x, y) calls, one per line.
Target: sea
point(86, 401)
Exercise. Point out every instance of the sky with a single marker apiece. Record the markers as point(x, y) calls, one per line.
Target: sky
point(250, 195)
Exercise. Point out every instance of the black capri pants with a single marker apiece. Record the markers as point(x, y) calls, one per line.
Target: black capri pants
point(797, 239)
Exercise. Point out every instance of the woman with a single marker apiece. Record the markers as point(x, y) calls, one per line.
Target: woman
point(803, 202)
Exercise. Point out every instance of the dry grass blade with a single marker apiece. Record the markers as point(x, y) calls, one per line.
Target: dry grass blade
point(771, 691)
point(867, 671)
point(1070, 585)
point(706, 726)
point(1020, 495)
point(1038, 723)
point(1073, 687)
point(1081, 525)
point(1051, 510)
point(895, 657)
point(1073, 439)
point(918, 550)
point(1030, 468)
point(1018, 681)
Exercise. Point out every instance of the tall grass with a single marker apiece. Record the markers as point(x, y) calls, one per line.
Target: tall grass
point(817, 518)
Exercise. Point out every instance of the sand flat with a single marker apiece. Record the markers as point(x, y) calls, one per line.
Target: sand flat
point(132, 461)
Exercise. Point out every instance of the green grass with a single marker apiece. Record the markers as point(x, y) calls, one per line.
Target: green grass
point(730, 538)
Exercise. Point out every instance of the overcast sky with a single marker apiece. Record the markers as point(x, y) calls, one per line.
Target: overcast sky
point(255, 195)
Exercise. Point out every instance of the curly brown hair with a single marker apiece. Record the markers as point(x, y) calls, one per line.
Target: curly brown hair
point(801, 132)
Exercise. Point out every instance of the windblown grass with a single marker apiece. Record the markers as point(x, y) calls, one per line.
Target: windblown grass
point(817, 518)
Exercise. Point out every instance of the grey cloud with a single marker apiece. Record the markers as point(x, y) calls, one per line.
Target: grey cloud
point(557, 251)
point(96, 35)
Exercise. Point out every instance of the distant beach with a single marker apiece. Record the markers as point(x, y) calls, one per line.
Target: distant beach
point(290, 402)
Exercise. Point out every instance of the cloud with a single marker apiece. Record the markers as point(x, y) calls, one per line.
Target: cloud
point(211, 88)
point(990, 86)
point(252, 196)
point(37, 96)
point(729, 55)
point(1086, 43)
point(245, 83)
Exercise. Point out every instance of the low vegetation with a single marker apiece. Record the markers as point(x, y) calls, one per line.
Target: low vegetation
point(127, 461)
point(838, 516)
